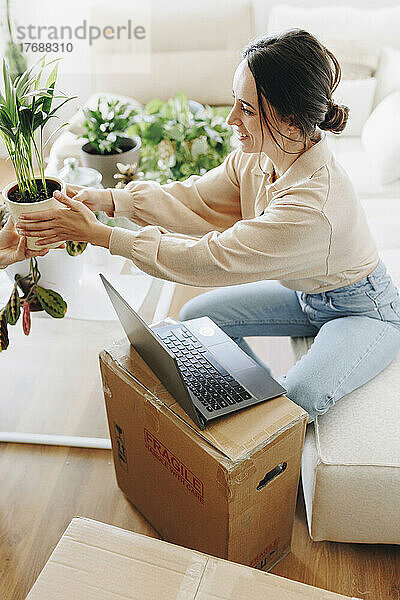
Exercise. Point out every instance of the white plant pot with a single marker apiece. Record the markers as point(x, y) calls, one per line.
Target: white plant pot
point(59, 271)
point(97, 255)
point(107, 163)
point(17, 208)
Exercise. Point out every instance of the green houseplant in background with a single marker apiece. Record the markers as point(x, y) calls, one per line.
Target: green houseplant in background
point(15, 59)
point(180, 138)
point(108, 143)
point(26, 105)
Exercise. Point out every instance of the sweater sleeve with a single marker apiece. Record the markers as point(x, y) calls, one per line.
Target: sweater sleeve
point(288, 240)
point(195, 206)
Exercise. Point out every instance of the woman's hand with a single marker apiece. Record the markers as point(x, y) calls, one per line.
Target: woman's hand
point(93, 198)
point(13, 248)
point(75, 223)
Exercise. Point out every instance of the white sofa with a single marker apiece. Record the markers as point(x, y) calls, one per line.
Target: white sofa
point(351, 460)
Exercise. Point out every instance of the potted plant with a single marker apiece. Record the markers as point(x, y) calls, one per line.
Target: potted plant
point(108, 144)
point(25, 107)
point(180, 138)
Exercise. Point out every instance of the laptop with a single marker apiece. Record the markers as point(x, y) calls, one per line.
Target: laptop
point(202, 368)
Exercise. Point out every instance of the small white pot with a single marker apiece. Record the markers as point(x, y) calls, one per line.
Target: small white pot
point(59, 271)
point(97, 255)
point(107, 163)
point(17, 208)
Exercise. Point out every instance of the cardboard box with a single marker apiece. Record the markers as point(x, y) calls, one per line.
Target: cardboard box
point(229, 490)
point(94, 561)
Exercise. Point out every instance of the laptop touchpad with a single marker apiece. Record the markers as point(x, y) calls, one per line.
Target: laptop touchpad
point(231, 357)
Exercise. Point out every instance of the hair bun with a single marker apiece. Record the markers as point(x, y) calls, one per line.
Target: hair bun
point(335, 118)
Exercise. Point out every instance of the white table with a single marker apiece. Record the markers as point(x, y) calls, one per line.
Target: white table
point(50, 380)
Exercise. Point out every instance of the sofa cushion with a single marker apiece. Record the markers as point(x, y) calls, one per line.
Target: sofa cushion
point(358, 95)
point(362, 52)
point(381, 138)
point(351, 463)
point(195, 48)
point(352, 155)
point(377, 26)
point(387, 74)
point(352, 70)
point(384, 221)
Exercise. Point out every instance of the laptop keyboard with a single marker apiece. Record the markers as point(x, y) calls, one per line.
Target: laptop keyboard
point(214, 387)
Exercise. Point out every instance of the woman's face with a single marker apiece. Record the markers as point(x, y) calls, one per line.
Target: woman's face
point(245, 119)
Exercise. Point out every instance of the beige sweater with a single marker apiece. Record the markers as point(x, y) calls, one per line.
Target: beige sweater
point(233, 225)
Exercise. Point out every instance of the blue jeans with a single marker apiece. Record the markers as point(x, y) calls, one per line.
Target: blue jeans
point(356, 330)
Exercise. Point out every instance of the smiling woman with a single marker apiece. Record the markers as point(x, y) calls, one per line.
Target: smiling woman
point(275, 240)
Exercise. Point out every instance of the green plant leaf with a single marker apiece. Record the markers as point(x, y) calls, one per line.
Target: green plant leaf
point(53, 76)
point(52, 302)
point(7, 82)
point(153, 106)
point(37, 94)
point(13, 308)
point(175, 132)
point(22, 82)
point(8, 133)
point(39, 118)
point(4, 341)
point(56, 108)
point(75, 248)
point(154, 132)
point(53, 133)
point(48, 99)
point(26, 118)
point(199, 146)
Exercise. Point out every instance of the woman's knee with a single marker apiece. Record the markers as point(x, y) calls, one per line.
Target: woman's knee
point(197, 307)
point(311, 398)
point(188, 311)
point(214, 304)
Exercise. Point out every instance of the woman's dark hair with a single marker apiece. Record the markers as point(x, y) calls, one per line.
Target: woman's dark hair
point(297, 75)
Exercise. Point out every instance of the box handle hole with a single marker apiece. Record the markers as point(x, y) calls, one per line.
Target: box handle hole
point(271, 475)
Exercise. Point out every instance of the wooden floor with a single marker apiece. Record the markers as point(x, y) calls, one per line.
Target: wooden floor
point(43, 488)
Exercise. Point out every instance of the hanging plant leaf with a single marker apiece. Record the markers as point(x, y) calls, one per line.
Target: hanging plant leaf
point(4, 341)
point(13, 308)
point(26, 318)
point(75, 248)
point(51, 302)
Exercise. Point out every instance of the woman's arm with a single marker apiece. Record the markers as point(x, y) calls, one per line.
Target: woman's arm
point(194, 206)
point(286, 242)
point(290, 240)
